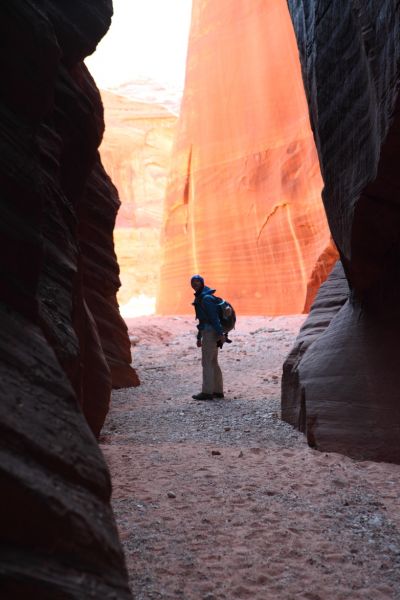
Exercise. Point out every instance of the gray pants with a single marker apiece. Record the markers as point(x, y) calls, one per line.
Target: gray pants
point(212, 376)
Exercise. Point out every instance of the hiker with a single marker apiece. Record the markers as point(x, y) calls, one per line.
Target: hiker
point(210, 337)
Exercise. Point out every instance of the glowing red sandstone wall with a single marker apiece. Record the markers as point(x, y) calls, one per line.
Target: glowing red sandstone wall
point(243, 205)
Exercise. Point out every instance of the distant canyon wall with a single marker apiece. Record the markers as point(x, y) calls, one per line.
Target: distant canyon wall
point(341, 381)
point(243, 203)
point(136, 151)
point(63, 344)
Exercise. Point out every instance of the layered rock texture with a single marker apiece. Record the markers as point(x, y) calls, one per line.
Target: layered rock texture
point(136, 151)
point(63, 344)
point(344, 390)
point(331, 296)
point(243, 204)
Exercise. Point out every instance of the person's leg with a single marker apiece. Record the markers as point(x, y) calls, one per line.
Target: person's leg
point(218, 381)
point(209, 352)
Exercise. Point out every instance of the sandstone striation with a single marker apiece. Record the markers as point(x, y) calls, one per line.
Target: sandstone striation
point(136, 151)
point(331, 296)
point(97, 213)
point(348, 377)
point(243, 202)
point(57, 211)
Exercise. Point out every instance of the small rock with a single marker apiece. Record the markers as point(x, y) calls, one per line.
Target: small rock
point(275, 377)
point(339, 482)
point(227, 428)
point(215, 453)
point(171, 495)
point(240, 455)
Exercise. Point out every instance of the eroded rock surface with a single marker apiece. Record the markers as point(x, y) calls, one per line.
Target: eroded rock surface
point(58, 538)
point(243, 204)
point(136, 151)
point(332, 294)
point(349, 376)
point(97, 215)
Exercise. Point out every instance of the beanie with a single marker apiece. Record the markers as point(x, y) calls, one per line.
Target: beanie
point(199, 277)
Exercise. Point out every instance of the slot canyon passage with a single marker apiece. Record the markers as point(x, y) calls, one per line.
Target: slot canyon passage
point(223, 499)
point(288, 487)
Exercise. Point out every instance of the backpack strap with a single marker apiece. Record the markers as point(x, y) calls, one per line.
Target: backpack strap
point(214, 321)
point(202, 300)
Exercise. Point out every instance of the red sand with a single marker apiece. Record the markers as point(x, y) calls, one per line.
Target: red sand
point(222, 500)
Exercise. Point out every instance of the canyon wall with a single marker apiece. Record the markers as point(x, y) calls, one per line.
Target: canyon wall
point(59, 276)
point(243, 204)
point(136, 151)
point(343, 391)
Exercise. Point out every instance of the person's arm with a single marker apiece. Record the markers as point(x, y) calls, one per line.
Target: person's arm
point(198, 336)
point(210, 308)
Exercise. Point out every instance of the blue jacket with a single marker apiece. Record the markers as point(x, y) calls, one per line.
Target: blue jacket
point(206, 311)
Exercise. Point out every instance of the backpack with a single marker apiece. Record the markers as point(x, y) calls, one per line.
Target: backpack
point(226, 313)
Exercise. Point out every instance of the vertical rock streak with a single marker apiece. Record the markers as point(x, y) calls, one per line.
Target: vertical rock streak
point(302, 267)
point(192, 213)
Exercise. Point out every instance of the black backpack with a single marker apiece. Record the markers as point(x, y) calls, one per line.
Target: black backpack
point(226, 312)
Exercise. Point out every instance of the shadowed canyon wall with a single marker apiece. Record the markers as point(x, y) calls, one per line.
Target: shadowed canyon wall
point(136, 151)
point(243, 203)
point(63, 343)
point(343, 391)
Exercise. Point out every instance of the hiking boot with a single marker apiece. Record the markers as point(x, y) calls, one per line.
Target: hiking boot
point(203, 396)
point(218, 395)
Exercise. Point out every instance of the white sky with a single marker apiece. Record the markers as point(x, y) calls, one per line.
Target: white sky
point(147, 39)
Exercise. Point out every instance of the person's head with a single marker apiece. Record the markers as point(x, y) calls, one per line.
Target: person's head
point(197, 282)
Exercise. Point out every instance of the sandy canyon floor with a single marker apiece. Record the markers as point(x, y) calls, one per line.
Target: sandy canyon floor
point(222, 500)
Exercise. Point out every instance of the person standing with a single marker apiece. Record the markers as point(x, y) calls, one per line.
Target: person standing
point(210, 337)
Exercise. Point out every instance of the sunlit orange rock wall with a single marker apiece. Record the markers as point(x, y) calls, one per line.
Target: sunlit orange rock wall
point(244, 199)
point(136, 151)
